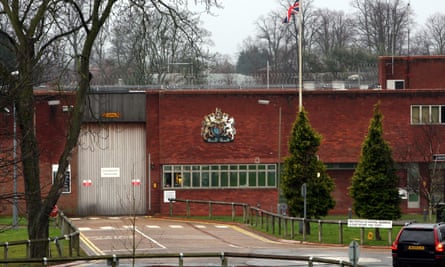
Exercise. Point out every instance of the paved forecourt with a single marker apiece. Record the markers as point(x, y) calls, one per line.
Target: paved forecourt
point(125, 235)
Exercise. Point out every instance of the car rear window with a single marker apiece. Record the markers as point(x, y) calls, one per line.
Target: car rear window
point(423, 236)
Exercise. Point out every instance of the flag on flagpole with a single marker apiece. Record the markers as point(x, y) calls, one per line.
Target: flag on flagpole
point(293, 9)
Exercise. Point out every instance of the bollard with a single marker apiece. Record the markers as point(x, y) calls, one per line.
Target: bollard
point(309, 262)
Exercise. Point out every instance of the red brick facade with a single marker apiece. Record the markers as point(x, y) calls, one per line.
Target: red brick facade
point(416, 72)
point(173, 135)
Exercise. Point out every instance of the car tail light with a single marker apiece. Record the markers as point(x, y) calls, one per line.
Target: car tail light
point(440, 247)
point(394, 246)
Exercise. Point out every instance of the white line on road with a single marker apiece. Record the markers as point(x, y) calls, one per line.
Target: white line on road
point(151, 239)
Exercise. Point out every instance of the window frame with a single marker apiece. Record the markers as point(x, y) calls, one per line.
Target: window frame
point(220, 176)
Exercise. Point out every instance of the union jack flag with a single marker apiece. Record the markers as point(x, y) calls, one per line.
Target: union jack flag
point(293, 9)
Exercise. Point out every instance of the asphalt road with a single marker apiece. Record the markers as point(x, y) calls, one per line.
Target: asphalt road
point(115, 235)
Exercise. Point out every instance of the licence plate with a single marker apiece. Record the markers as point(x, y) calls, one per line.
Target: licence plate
point(416, 247)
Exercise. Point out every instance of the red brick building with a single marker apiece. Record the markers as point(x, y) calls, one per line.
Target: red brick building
point(139, 148)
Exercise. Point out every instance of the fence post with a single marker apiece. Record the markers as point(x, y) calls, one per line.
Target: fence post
point(233, 212)
point(77, 243)
point(285, 226)
point(309, 262)
point(181, 259)
point(49, 246)
point(59, 249)
point(171, 207)
point(6, 250)
point(223, 260)
point(70, 245)
point(28, 249)
point(390, 236)
point(292, 229)
point(340, 232)
point(362, 236)
point(187, 204)
point(304, 229)
point(320, 231)
point(273, 223)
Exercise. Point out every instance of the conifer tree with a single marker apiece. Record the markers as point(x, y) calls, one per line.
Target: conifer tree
point(375, 183)
point(303, 167)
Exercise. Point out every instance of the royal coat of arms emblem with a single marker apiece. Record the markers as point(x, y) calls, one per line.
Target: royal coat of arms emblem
point(217, 127)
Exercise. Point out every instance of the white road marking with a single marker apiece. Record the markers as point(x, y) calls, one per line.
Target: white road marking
point(153, 226)
point(151, 239)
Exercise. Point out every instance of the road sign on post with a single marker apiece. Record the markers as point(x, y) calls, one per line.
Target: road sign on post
point(354, 252)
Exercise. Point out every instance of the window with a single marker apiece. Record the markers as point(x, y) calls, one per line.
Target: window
point(428, 114)
point(67, 186)
point(220, 176)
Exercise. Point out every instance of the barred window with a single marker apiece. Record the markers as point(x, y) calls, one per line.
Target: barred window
point(220, 176)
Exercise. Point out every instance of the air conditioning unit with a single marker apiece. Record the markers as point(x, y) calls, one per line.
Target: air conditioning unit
point(395, 84)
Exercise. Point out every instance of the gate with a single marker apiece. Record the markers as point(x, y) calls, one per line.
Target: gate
point(111, 169)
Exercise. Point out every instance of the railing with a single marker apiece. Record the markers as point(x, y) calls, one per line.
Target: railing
point(222, 257)
point(69, 233)
point(277, 224)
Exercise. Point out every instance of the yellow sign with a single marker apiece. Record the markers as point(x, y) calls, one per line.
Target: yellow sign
point(370, 235)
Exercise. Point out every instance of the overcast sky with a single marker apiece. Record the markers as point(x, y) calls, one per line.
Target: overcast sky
point(236, 21)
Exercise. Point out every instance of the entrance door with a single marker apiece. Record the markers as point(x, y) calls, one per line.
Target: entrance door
point(112, 174)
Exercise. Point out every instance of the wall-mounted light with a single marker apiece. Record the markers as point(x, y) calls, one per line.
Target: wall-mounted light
point(111, 115)
point(152, 166)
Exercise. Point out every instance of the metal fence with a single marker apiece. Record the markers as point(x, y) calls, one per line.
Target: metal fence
point(70, 236)
point(277, 224)
point(223, 259)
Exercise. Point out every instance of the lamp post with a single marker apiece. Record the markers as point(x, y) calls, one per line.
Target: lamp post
point(14, 201)
point(267, 102)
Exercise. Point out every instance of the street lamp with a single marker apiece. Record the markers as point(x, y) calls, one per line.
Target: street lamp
point(267, 102)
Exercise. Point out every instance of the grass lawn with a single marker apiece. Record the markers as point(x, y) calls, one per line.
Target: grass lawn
point(330, 232)
point(8, 234)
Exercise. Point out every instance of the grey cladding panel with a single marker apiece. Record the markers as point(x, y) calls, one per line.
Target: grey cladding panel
point(119, 107)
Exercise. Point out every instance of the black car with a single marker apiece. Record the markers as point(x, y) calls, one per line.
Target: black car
point(419, 244)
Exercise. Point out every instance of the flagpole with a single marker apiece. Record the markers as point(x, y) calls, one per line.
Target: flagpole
point(300, 58)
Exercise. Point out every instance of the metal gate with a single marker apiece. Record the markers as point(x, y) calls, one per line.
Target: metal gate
point(111, 169)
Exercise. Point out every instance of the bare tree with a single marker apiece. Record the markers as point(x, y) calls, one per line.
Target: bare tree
point(146, 43)
point(427, 177)
point(382, 25)
point(272, 33)
point(333, 30)
point(435, 30)
point(34, 27)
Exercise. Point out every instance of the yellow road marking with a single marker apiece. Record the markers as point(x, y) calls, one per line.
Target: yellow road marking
point(241, 230)
point(90, 245)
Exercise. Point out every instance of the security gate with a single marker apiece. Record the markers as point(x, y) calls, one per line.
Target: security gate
point(111, 169)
